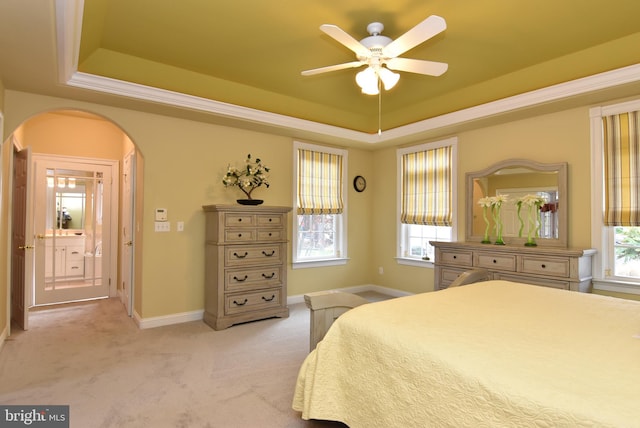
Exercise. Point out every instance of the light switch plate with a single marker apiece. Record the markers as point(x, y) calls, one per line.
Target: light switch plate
point(163, 226)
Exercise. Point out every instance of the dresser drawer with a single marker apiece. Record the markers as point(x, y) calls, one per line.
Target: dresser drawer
point(271, 235)
point(243, 279)
point(560, 267)
point(252, 255)
point(564, 285)
point(276, 220)
point(492, 261)
point(253, 301)
point(461, 258)
point(446, 275)
point(239, 220)
point(239, 235)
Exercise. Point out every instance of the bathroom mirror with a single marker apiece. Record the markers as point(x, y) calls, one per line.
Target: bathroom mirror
point(514, 179)
point(71, 196)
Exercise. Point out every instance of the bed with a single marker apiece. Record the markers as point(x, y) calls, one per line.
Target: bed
point(491, 354)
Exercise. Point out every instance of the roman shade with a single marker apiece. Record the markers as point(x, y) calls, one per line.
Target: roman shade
point(319, 182)
point(426, 187)
point(621, 148)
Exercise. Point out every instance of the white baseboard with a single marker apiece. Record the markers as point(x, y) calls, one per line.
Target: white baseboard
point(144, 323)
point(299, 298)
point(161, 321)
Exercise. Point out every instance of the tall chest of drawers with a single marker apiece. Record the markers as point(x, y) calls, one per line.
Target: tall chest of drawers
point(245, 264)
point(565, 268)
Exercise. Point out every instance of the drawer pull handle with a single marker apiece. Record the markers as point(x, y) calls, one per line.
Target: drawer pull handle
point(241, 257)
point(241, 280)
point(495, 261)
point(270, 234)
point(270, 220)
point(240, 304)
point(273, 296)
point(269, 276)
point(543, 266)
point(75, 267)
point(269, 255)
point(239, 235)
point(75, 252)
point(455, 257)
point(239, 219)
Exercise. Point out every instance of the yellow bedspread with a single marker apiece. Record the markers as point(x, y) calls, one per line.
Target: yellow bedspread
point(491, 354)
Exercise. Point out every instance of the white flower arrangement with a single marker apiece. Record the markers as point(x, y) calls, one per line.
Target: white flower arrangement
point(253, 175)
point(498, 200)
point(530, 201)
point(485, 202)
point(533, 204)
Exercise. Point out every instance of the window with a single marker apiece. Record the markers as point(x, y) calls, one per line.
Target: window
point(615, 136)
point(426, 182)
point(319, 194)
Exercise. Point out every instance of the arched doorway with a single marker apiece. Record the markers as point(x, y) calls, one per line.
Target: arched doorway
point(77, 137)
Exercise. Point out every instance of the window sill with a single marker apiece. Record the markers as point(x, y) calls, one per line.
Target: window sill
point(318, 263)
point(616, 285)
point(414, 262)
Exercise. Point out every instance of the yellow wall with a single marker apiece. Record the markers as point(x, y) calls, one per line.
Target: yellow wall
point(81, 136)
point(558, 137)
point(185, 160)
point(183, 165)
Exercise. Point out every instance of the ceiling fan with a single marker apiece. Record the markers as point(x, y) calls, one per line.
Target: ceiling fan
point(380, 54)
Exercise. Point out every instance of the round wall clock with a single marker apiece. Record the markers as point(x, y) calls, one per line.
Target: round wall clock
point(359, 183)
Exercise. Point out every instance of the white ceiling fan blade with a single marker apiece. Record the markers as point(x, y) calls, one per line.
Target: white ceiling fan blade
point(352, 64)
point(344, 38)
point(423, 31)
point(430, 68)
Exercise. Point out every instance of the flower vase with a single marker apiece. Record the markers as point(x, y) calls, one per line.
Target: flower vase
point(498, 225)
point(520, 219)
point(249, 201)
point(485, 239)
point(532, 230)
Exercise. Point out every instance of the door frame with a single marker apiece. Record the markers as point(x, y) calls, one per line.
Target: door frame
point(114, 209)
point(128, 245)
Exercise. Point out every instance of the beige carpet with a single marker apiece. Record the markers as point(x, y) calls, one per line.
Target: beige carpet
point(92, 357)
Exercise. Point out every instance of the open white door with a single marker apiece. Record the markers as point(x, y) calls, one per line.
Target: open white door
point(128, 193)
point(74, 259)
point(21, 241)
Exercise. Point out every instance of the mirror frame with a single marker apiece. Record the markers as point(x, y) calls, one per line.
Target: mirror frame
point(560, 168)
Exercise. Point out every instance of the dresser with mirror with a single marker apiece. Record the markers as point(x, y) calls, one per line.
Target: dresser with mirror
point(548, 263)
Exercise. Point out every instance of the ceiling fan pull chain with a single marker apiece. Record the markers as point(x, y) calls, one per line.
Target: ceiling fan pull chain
point(379, 109)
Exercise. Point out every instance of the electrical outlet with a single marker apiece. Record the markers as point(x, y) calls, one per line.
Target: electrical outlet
point(180, 226)
point(163, 226)
point(380, 270)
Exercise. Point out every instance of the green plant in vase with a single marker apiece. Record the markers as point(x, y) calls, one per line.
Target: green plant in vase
point(485, 203)
point(496, 205)
point(533, 204)
point(247, 179)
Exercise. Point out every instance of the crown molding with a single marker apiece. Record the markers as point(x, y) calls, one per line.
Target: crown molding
point(68, 28)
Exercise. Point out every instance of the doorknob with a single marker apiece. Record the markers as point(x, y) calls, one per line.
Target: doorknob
point(128, 244)
point(26, 247)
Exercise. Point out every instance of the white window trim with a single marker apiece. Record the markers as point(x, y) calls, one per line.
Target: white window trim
point(297, 264)
point(600, 239)
point(453, 142)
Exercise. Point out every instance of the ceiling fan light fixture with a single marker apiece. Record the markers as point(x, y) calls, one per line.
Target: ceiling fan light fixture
point(388, 77)
point(367, 79)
